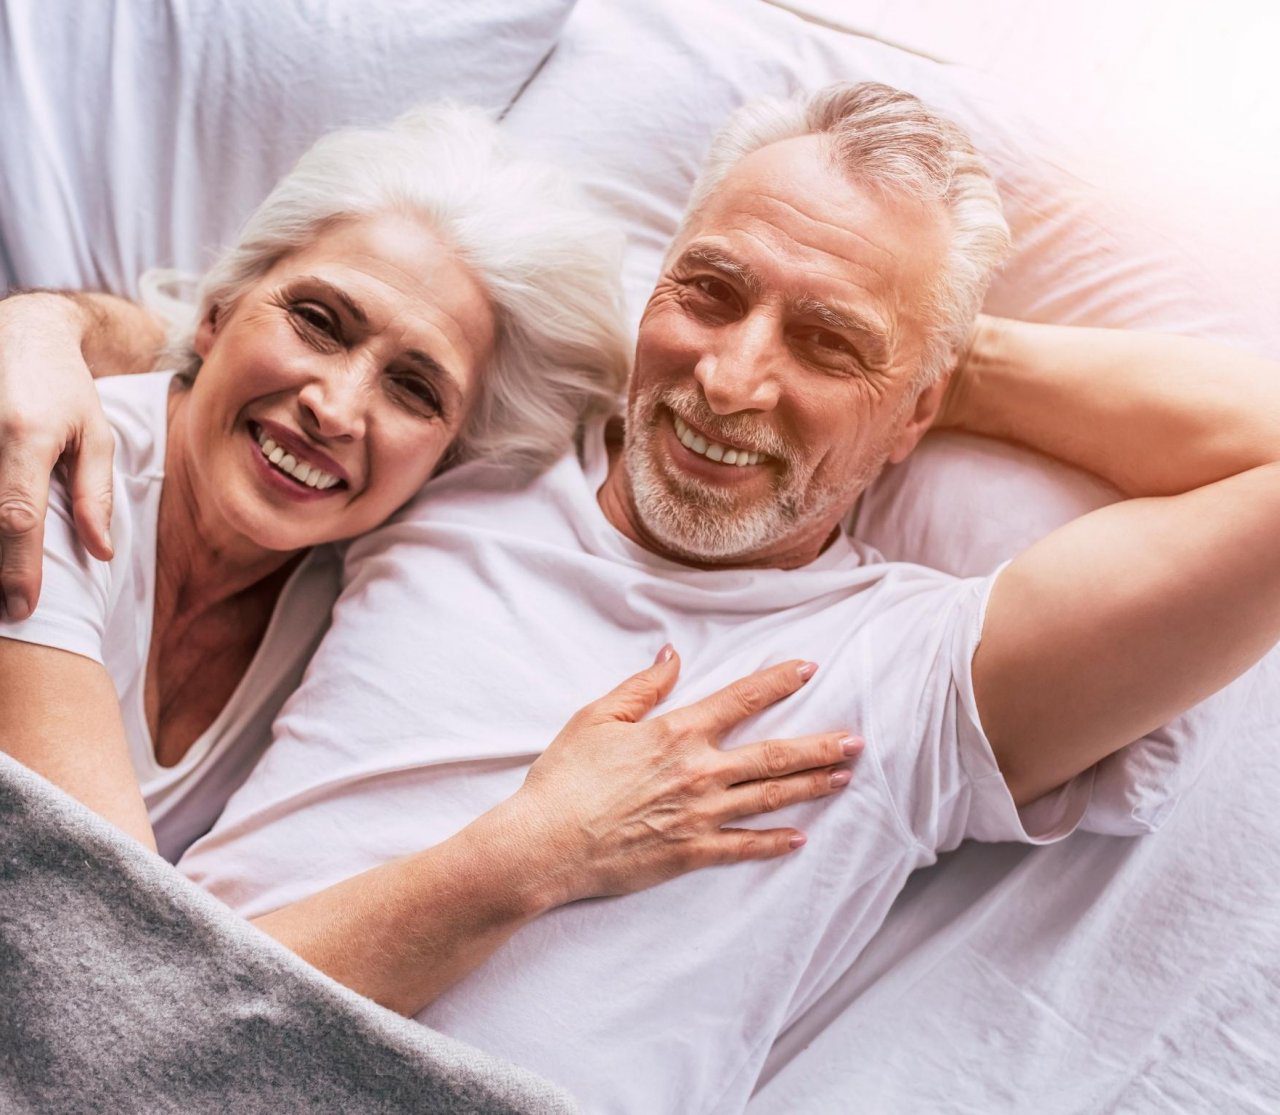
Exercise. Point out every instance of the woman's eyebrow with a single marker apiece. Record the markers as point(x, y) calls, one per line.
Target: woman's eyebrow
point(336, 293)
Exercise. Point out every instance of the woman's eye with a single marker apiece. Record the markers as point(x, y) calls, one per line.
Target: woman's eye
point(420, 391)
point(315, 317)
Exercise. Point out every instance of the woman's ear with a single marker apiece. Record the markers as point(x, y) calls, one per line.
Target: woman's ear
point(206, 331)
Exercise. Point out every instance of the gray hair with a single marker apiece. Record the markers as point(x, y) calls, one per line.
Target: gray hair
point(889, 139)
point(549, 267)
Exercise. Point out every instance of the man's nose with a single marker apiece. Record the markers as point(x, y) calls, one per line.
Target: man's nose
point(738, 370)
point(334, 405)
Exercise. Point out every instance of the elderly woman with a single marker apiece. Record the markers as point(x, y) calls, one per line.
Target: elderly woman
point(407, 298)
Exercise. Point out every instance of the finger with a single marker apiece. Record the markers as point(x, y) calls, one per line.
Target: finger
point(751, 798)
point(776, 757)
point(745, 697)
point(90, 478)
point(731, 845)
point(636, 697)
point(24, 499)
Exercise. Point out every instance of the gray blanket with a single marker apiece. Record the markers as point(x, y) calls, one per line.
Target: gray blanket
point(124, 988)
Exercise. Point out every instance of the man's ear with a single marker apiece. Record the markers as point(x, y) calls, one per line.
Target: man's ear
point(206, 331)
point(928, 402)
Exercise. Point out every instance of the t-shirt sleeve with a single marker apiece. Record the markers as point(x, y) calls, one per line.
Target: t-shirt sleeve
point(75, 591)
point(934, 753)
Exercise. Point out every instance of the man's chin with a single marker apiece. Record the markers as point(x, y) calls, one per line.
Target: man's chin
point(695, 522)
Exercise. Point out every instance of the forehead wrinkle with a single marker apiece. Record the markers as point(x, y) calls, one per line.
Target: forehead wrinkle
point(840, 229)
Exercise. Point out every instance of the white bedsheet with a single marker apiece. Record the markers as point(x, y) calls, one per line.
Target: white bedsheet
point(1099, 975)
point(1112, 974)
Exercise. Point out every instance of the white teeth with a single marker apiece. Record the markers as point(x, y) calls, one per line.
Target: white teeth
point(304, 473)
point(713, 450)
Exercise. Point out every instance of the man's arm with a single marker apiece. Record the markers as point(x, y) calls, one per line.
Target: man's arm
point(50, 347)
point(1149, 413)
point(1116, 623)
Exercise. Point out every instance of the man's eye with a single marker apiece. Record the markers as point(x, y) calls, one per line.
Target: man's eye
point(717, 290)
point(826, 341)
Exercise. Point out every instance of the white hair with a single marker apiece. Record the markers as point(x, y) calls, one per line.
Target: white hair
point(891, 140)
point(548, 266)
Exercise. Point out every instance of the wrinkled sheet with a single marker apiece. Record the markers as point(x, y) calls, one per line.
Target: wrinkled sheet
point(1102, 974)
point(125, 988)
point(141, 133)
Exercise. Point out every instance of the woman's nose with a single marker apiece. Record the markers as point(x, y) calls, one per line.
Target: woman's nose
point(738, 369)
point(334, 406)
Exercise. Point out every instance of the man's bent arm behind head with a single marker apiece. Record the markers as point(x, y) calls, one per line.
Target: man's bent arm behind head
point(1153, 415)
point(1123, 619)
point(50, 347)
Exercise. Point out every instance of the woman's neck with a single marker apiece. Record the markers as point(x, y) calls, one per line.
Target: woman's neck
point(202, 563)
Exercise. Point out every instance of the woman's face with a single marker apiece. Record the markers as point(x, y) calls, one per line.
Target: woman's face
point(331, 389)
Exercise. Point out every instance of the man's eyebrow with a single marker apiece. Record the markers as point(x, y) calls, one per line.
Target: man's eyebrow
point(725, 264)
point(337, 294)
point(876, 341)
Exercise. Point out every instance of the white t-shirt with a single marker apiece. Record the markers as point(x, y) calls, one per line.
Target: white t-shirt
point(475, 624)
point(104, 611)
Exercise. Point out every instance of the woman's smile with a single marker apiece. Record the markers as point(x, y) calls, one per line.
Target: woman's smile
point(297, 457)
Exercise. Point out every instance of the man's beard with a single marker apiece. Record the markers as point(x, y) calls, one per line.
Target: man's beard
point(715, 524)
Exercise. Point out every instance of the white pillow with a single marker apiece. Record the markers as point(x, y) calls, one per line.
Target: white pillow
point(141, 135)
point(632, 96)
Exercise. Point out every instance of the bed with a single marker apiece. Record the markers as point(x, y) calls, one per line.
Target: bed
point(1114, 972)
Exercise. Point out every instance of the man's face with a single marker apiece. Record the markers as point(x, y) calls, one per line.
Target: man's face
point(777, 358)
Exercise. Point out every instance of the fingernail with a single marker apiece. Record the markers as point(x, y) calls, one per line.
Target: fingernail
point(798, 841)
point(16, 606)
point(840, 778)
point(807, 670)
point(851, 746)
point(664, 655)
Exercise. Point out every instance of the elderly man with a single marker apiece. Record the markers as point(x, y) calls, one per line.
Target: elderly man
point(823, 285)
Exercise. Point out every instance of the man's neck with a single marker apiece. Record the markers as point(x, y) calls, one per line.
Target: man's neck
point(617, 502)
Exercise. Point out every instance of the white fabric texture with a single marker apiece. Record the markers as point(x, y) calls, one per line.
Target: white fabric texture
point(139, 133)
point(103, 611)
point(430, 697)
point(631, 98)
point(1102, 974)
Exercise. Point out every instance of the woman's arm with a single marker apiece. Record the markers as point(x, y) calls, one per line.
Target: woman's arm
point(61, 718)
point(614, 805)
point(50, 347)
point(1152, 414)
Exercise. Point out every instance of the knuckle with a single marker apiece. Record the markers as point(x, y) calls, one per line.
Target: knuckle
point(774, 758)
point(665, 735)
point(749, 845)
point(18, 516)
point(14, 426)
point(684, 857)
point(750, 694)
point(773, 795)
